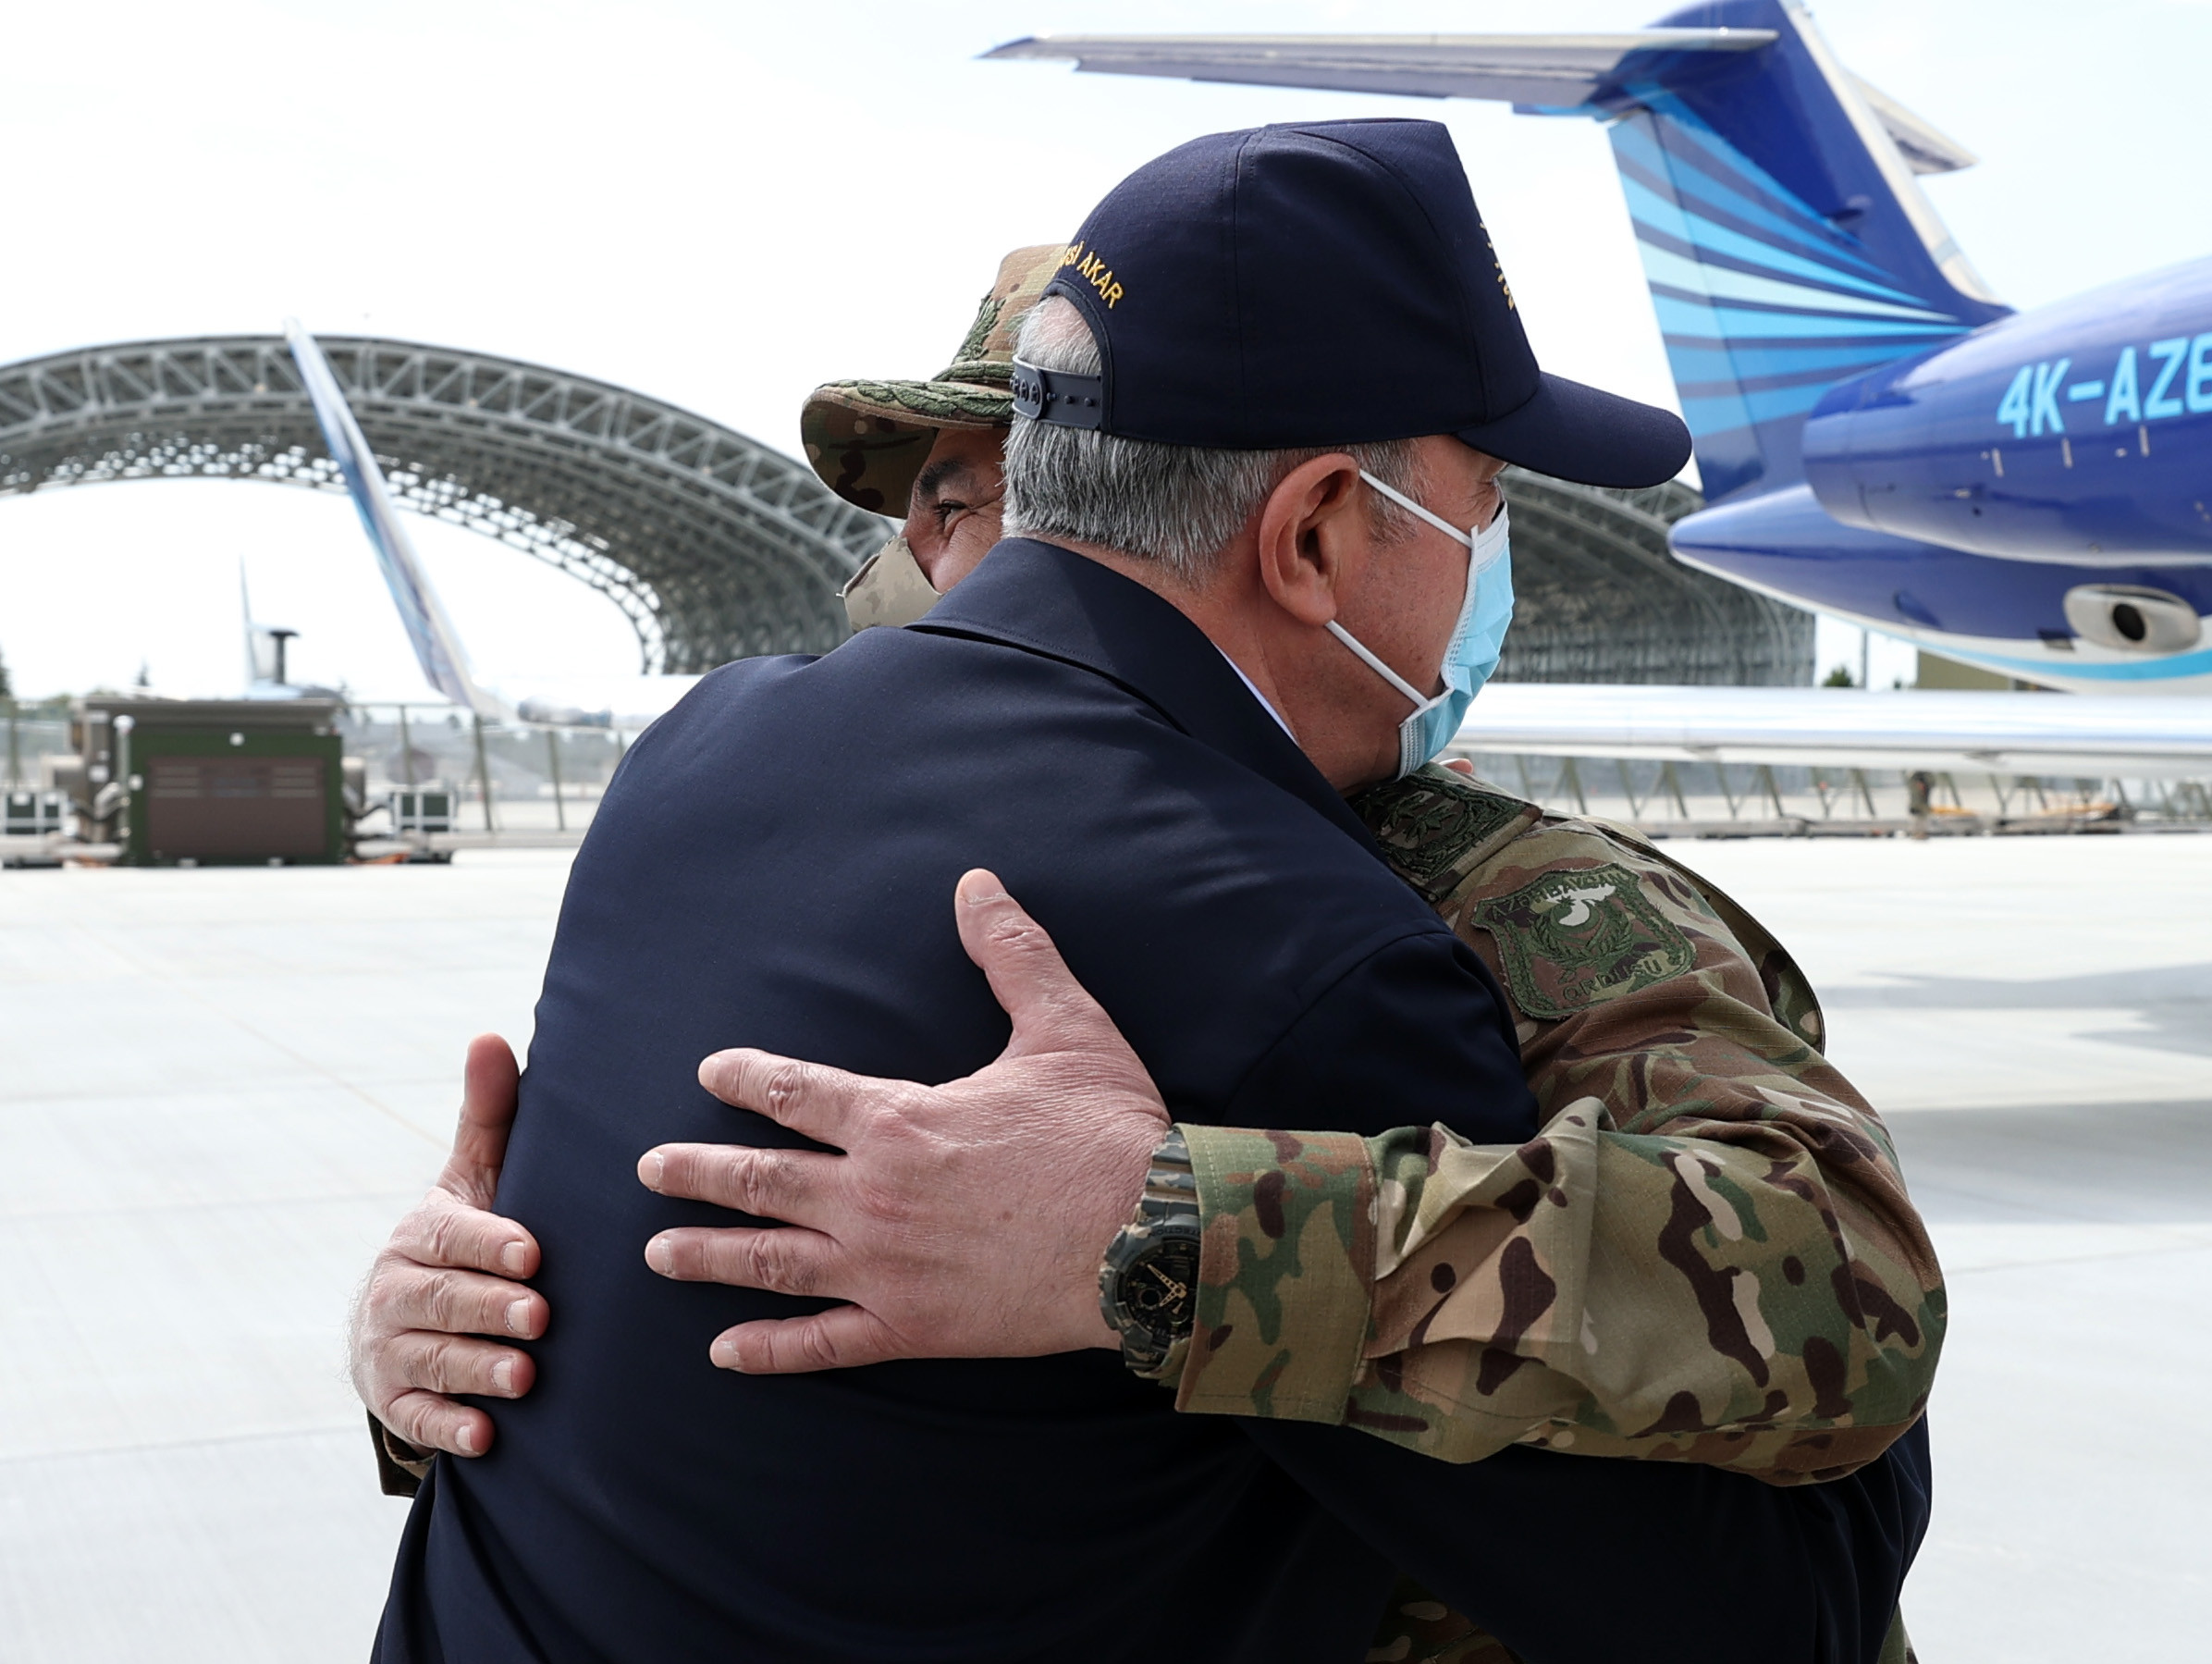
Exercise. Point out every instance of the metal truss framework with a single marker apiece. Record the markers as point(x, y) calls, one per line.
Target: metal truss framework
point(1598, 598)
point(714, 545)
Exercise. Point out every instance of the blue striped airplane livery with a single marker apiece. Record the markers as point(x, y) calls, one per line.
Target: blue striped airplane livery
point(1879, 438)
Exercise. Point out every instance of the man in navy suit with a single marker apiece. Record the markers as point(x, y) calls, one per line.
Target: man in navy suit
point(1295, 332)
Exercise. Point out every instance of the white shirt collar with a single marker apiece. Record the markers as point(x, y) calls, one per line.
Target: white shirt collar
point(1264, 704)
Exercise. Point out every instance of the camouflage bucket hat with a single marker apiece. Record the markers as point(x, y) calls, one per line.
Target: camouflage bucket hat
point(867, 440)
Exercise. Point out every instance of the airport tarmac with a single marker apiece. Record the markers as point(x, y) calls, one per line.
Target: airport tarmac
point(221, 1087)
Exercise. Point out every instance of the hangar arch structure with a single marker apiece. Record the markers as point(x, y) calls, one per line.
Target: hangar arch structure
point(714, 545)
point(1598, 599)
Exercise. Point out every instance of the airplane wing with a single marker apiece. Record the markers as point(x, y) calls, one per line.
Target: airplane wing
point(437, 643)
point(1533, 72)
point(1551, 71)
point(2063, 735)
point(628, 702)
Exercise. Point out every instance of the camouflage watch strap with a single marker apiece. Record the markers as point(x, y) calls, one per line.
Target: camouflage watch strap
point(1167, 1210)
point(1286, 1275)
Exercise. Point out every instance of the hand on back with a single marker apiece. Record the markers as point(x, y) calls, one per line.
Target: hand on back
point(964, 1220)
point(889, 1224)
point(447, 1276)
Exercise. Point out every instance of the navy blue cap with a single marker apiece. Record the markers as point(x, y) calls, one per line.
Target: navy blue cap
point(1328, 283)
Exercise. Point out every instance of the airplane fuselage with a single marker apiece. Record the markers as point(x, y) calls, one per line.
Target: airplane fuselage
point(2035, 497)
point(2079, 432)
point(1881, 437)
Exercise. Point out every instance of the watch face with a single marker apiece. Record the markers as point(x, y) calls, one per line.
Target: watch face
point(1159, 1291)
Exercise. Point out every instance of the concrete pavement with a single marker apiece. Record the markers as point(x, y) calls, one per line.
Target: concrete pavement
point(220, 1087)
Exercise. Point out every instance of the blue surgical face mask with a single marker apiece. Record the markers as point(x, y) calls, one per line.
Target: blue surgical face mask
point(1471, 655)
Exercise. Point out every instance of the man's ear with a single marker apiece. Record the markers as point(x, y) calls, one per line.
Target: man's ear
point(1315, 537)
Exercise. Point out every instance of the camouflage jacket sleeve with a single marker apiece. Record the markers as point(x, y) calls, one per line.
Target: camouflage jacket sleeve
point(1707, 1254)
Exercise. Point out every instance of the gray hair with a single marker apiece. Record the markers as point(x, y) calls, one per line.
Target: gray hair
point(1178, 505)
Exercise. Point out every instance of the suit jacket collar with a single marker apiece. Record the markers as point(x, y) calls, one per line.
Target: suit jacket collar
point(1051, 600)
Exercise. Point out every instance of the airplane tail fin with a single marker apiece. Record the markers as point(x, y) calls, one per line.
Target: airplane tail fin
point(436, 644)
point(261, 664)
point(1785, 240)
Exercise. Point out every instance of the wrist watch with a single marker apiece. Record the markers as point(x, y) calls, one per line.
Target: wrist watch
point(1148, 1282)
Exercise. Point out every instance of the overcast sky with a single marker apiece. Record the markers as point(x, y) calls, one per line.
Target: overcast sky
point(722, 205)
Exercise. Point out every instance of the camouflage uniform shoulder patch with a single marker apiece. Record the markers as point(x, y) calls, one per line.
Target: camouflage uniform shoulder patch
point(1436, 827)
point(1470, 849)
point(1788, 990)
point(1576, 936)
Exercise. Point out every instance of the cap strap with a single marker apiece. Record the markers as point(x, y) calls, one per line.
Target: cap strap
point(1060, 396)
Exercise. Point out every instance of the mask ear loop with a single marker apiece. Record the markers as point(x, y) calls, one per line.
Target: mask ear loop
point(1478, 562)
point(1490, 533)
point(1421, 702)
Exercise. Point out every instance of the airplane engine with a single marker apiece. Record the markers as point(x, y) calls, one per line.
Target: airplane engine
point(2132, 619)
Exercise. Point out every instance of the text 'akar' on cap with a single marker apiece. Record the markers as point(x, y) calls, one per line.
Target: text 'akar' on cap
point(1328, 283)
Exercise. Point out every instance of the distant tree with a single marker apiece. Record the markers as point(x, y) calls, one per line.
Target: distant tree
point(8, 689)
point(1840, 677)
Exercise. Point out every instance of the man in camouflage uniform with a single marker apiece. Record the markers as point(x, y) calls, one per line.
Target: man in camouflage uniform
point(1707, 1256)
point(931, 448)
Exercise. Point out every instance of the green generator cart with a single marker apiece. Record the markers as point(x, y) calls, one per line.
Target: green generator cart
point(211, 781)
